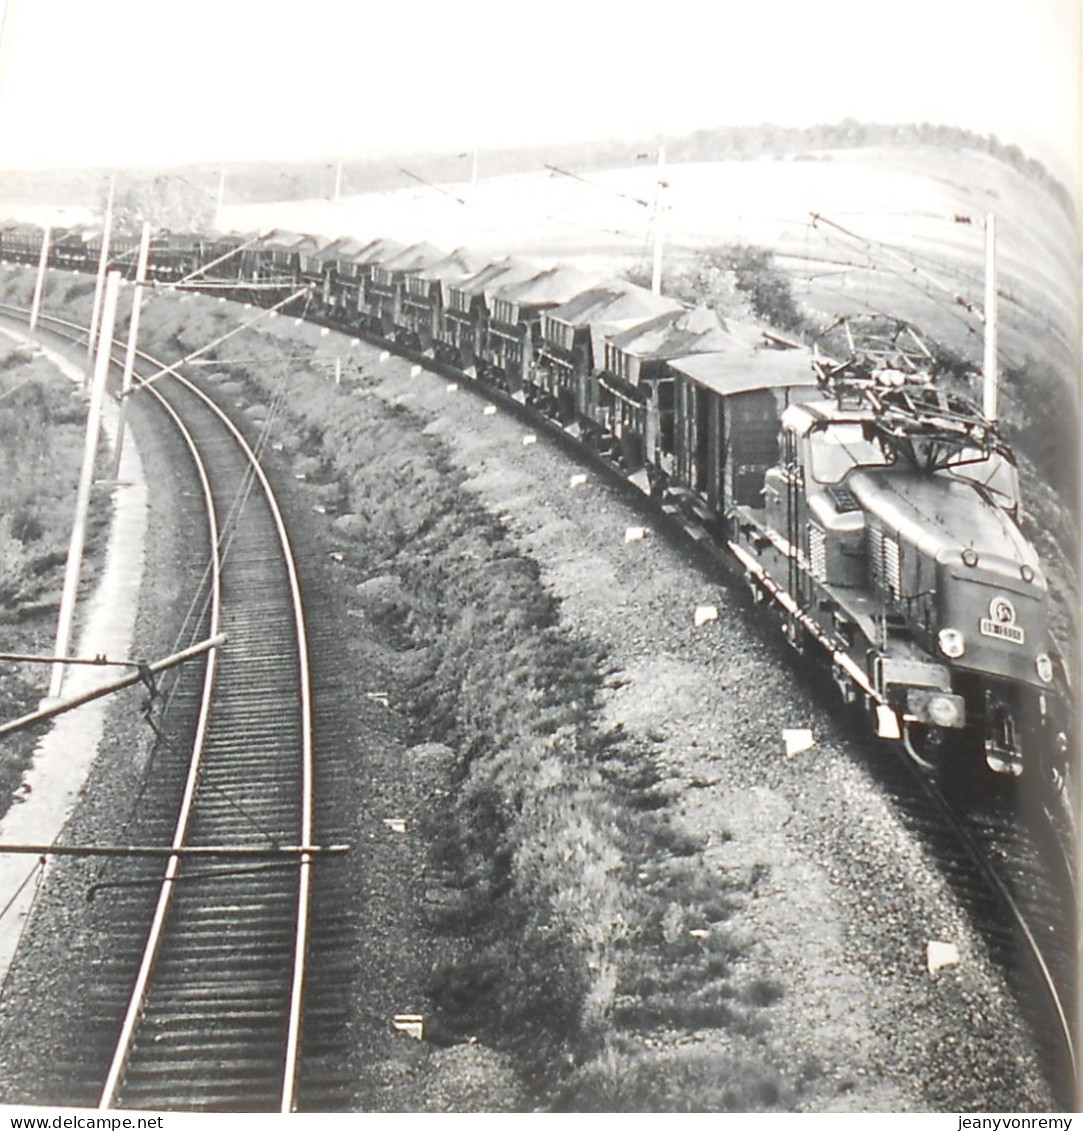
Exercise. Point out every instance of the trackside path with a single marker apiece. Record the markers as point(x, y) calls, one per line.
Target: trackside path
point(67, 749)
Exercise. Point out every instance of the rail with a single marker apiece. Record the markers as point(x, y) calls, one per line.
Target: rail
point(307, 851)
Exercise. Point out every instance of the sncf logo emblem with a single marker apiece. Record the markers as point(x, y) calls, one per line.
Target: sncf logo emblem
point(1002, 610)
point(1000, 624)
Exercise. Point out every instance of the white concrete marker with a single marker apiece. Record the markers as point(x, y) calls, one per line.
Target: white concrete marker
point(705, 613)
point(529, 440)
point(577, 481)
point(489, 410)
point(700, 933)
point(273, 314)
point(395, 824)
point(939, 954)
point(636, 533)
point(355, 342)
point(797, 741)
point(384, 355)
point(453, 387)
point(415, 370)
point(412, 1024)
point(324, 331)
point(641, 481)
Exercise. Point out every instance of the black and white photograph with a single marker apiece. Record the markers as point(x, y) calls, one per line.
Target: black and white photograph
point(538, 558)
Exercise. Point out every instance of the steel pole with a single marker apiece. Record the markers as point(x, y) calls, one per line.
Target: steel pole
point(133, 334)
point(39, 285)
point(656, 259)
point(989, 405)
point(86, 482)
point(103, 262)
point(218, 201)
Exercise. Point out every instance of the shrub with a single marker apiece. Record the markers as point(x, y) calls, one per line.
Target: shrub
point(738, 281)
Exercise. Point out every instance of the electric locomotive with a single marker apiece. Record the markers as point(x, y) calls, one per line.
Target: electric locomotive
point(889, 534)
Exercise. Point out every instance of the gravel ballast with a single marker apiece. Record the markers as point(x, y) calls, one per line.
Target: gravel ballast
point(846, 900)
point(831, 900)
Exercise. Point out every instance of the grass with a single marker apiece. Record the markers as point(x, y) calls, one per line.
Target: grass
point(42, 423)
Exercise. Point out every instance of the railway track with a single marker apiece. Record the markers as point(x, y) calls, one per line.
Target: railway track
point(1011, 838)
point(1008, 867)
point(994, 862)
point(1006, 864)
point(212, 994)
point(999, 852)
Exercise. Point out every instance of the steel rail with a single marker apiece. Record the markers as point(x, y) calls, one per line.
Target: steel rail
point(165, 897)
point(291, 1058)
point(293, 1041)
point(1004, 895)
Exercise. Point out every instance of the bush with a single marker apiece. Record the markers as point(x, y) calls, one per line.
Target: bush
point(737, 281)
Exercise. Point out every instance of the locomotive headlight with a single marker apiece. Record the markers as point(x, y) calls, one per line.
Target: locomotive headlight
point(970, 557)
point(951, 643)
point(1044, 666)
point(943, 711)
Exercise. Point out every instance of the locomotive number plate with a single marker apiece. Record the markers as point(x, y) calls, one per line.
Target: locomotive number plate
point(1010, 632)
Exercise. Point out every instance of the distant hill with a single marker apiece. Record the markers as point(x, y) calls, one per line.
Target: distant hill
point(260, 182)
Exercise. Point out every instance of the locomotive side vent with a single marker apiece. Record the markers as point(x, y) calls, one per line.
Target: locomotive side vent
point(885, 560)
point(876, 555)
point(844, 500)
point(893, 567)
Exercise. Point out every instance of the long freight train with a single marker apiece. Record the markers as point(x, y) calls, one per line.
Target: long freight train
point(876, 514)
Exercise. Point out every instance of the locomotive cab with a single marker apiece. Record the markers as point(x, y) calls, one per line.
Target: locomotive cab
point(900, 552)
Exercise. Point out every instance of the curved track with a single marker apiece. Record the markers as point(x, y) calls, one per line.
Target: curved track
point(993, 858)
point(1009, 837)
point(213, 1020)
point(1003, 859)
point(999, 850)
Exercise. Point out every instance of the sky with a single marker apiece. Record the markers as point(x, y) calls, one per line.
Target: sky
point(119, 82)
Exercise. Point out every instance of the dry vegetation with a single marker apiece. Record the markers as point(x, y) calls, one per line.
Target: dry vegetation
point(42, 421)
